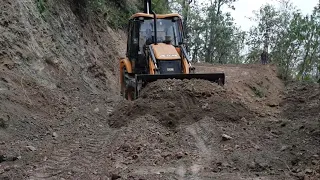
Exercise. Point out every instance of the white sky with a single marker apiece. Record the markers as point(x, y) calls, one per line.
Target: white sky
point(244, 9)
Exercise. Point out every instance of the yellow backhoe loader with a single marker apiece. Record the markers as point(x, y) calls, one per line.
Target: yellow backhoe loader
point(156, 50)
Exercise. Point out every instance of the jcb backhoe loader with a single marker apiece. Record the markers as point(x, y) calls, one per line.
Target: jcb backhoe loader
point(156, 50)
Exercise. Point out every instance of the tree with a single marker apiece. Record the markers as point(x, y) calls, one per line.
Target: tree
point(213, 35)
point(292, 39)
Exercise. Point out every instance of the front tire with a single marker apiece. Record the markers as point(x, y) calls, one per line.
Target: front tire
point(126, 91)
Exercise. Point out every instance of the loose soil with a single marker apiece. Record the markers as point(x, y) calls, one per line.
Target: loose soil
point(61, 116)
point(192, 117)
point(177, 102)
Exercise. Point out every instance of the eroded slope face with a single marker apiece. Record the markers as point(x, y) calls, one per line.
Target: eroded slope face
point(53, 62)
point(57, 74)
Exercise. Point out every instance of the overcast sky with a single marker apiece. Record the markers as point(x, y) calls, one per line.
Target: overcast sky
point(245, 7)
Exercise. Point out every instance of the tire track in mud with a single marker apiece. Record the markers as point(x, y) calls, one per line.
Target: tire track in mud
point(81, 158)
point(54, 166)
point(205, 134)
point(191, 168)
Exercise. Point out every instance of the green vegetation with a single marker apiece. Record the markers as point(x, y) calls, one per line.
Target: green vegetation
point(41, 7)
point(213, 35)
point(257, 91)
point(160, 6)
point(117, 12)
point(291, 39)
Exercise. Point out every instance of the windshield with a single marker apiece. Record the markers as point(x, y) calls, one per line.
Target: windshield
point(166, 29)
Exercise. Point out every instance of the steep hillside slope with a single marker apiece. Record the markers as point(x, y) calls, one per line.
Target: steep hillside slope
point(56, 70)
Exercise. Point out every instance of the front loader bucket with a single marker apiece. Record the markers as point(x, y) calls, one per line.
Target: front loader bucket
point(144, 79)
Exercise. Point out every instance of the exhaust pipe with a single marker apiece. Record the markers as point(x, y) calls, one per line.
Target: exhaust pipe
point(155, 27)
point(147, 9)
point(147, 6)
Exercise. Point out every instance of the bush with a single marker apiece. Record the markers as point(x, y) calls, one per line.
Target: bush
point(115, 12)
point(118, 12)
point(257, 91)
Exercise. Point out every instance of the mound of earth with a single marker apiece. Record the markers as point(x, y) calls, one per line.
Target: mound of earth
point(176, 102)
point(212, 146)
point(197, 129)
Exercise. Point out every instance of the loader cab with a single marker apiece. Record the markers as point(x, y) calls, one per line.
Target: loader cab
point(141, 34)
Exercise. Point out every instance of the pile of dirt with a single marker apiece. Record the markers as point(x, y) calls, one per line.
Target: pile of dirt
point(211, 131)
point(212, 146)
point(176, 102)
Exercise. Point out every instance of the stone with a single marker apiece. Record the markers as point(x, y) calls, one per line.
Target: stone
point(2, 158)
point(226, 137)
point(171, 105)
point(257, 147)
point(283, 148)
point(115, 176)
point(96, 110)
point(3, 123)
point(205, 106)
point(314, 162)
point(179, 155)
point(54, 134)
point(308, 171)
point(31, 148)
